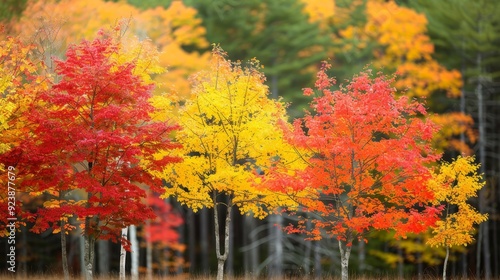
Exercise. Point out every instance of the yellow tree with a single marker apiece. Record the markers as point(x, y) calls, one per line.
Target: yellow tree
point(230, 135)
point(453, 184)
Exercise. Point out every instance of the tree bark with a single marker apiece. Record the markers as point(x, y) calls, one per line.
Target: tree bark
point(345, 252)
point(446, 262)
point(123, 255)
point(221, 257)
point(89, 252)
point(134, 255)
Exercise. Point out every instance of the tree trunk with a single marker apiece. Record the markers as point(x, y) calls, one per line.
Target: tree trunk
point(446, 262)
point(123, 255)
point(221, 257)
point(345, 252)
point(134, 255)
point(64, 255)
point(89, 251)
point(230, 256)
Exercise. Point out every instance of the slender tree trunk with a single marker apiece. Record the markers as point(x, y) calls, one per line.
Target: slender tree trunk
point(221, 257)
point(446, 262)
point(345, 252)
point(123, 255)
point(64, 255)
point(230, 256)
point(134, 255)
point(149, 252)
point(89, 255)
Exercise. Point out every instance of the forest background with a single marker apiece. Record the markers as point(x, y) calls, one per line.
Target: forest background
point(446, 53)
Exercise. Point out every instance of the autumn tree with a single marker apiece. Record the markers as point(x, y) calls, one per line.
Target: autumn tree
point(367, 153)
point(101, 133)
point(229, 136)
point(453, 184)
point(22, 79)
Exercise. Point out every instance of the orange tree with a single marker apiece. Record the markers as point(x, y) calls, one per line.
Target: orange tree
point(367, 154)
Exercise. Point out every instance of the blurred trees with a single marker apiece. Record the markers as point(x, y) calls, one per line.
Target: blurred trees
point(466, 34)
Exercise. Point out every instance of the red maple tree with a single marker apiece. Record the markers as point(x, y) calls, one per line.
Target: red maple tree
point(367, 154)
point(97, 139)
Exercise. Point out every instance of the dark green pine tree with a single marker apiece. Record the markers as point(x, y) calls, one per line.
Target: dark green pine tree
point(467, 37)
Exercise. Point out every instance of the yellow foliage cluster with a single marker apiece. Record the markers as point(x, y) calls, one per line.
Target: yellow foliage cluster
point(19, 84)
point(319, 11)
point(229, 134)
point(408, 49)
point(170, 30)
point(453, 185)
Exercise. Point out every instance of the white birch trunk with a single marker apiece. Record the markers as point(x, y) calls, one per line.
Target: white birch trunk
point(446, 262)
point(134, 271)
point(123, 255)
point(89, 251)
point(222, 257)
point(345, 252)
